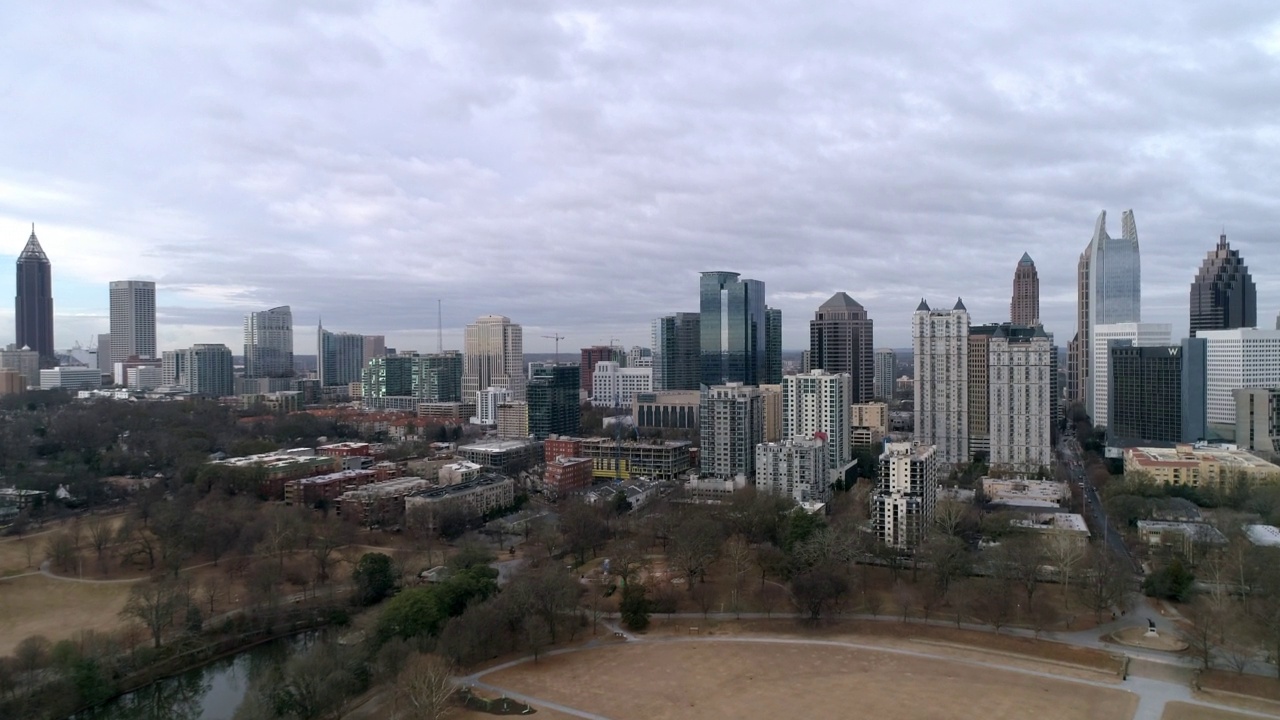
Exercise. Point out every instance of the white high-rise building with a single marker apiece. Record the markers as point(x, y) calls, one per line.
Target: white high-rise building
point(732, 425)
point(796, 468)
point(1239, 358)
point(487, 402)
point(268, 343)
point(905, 497)
point(1020, 406)
point(493, 356)
point(818, 402)
point(616, 386)
point(1141, 335)
point(133, 320)
point(886, 368)
point(941, 343)
point(143, 378)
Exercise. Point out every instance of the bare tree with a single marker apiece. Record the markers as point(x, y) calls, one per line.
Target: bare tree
point(1065, 553)
point(61, 549)
point(100, 536)
point(1103, 582)
point(738, 552)
point(210, 589)
point(32, 654)
point(154, 604)
point(950, 515)
point(425, 689)
point(694, 544)
point(325, 540)
point(1204, 631)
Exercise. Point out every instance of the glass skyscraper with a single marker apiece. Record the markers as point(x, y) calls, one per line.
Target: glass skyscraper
point(733, 325)
point(677, 352)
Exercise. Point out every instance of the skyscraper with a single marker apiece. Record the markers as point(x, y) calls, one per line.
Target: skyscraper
point(339, 357)
point(772, 346)
point(905, 497)
point(1024, 309)
point(1135, 334)
point(817, 402)
point(733, 327)
point(1110, 292)
point(268, 343)
point(208, 370)
point(553, 402)
point(677, 351)
point(587, 364)
point(841, 341)
point(493, 353)
point(1157, 394)
point(33, 303)
point(886, 374)
point(1020, 398)
point(732, 423)
point(1223, 296)
point(941, 344)
point(133, 320)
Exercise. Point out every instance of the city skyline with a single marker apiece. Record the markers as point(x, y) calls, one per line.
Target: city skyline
point(266, 189)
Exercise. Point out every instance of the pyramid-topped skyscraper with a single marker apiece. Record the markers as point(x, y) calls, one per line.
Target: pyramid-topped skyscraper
point(33, 303)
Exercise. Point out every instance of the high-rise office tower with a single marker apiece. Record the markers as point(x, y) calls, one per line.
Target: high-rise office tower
point(493, 356)
point(208, 368)
point(905, 497)
point(1025, 306)
point(817, 402)
point(33, 302)
point(553, 402)
point(1238, 358)
point(430, 378)
point(374, 346)
point(772, 346)
point(1078, 348)
point(133, 320)
point(1157, 394)
point(677, 351)
point(339, 357)
point(1112, 281)
point(1223, 296)
point(268, 343)
point(104, 353)
point(733, 327)
point(841, 341)
point(886, 374)
point(732, 425)
point(1135, 334)
point(941, 344)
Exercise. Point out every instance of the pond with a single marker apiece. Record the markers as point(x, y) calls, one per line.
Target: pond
point(210, 692)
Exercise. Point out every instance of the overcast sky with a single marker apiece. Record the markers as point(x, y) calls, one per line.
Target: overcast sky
point(574, 165)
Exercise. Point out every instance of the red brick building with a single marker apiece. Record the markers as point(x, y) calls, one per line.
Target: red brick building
point(306, 492)
point(591, 356)
point(557, 446)
point(566, 475)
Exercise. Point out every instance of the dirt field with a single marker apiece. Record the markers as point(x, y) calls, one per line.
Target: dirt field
point(56, 609)
point(1187, 711)
point(768, 681)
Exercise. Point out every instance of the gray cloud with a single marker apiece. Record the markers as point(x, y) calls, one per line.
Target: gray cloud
point(574, 164)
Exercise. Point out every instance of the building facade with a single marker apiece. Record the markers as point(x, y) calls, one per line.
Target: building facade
point(1199, 465)
point(667, 409)
point(25, 361)
point(732, 418)
point(494, 356)
point(1258, 419)
point(796, 468)
point(1239, 358)
point(1024, 308)
point(1020, 410)
point(772, 346)
point(1157, 394)
point(1223, 296)
point(886, 374)
point(589, 357)
point(133, 319)
point(841, 339)
point(70, 378)
point(677, 352)
point(487, 402)
point(905, 496)
point(1114, 287)
point(268, 343)
point(435, 378)
point(209, 370)
point(1134, 333)
point(732, 325)
point(339, 357)
point(941, 343)
point(816, 404)
point(513, 420)
point(33, 302)
point(553, 402)
point(615, 386)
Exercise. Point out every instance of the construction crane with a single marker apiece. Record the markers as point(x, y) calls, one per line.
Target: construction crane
point(557, 337)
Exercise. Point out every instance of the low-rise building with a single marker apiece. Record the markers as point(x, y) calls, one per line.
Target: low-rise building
point(477, 497)
point(1199, 465)
point(1064, 525)
point(455, 413)
point(379, 503)
point(307, 492)
point(274, 469)
point(566, 475)
point(459, 472)
point(1021, 492)
point(712, 490)
point(508, 455)
point(71, 378)
point(285, 401)
point(667, 409)
point(1185, 537)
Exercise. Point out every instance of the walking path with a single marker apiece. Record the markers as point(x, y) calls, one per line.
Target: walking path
point(1153, 692)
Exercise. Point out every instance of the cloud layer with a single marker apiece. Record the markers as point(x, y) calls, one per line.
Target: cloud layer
point(573, 165)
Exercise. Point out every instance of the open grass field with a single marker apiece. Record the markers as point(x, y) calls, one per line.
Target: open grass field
point(656, 681)
point(1187, 711)
point(57, 609)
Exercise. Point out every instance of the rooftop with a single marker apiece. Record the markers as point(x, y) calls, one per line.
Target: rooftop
point(1187, 455)
point(497, 445)
point(1265, 535)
